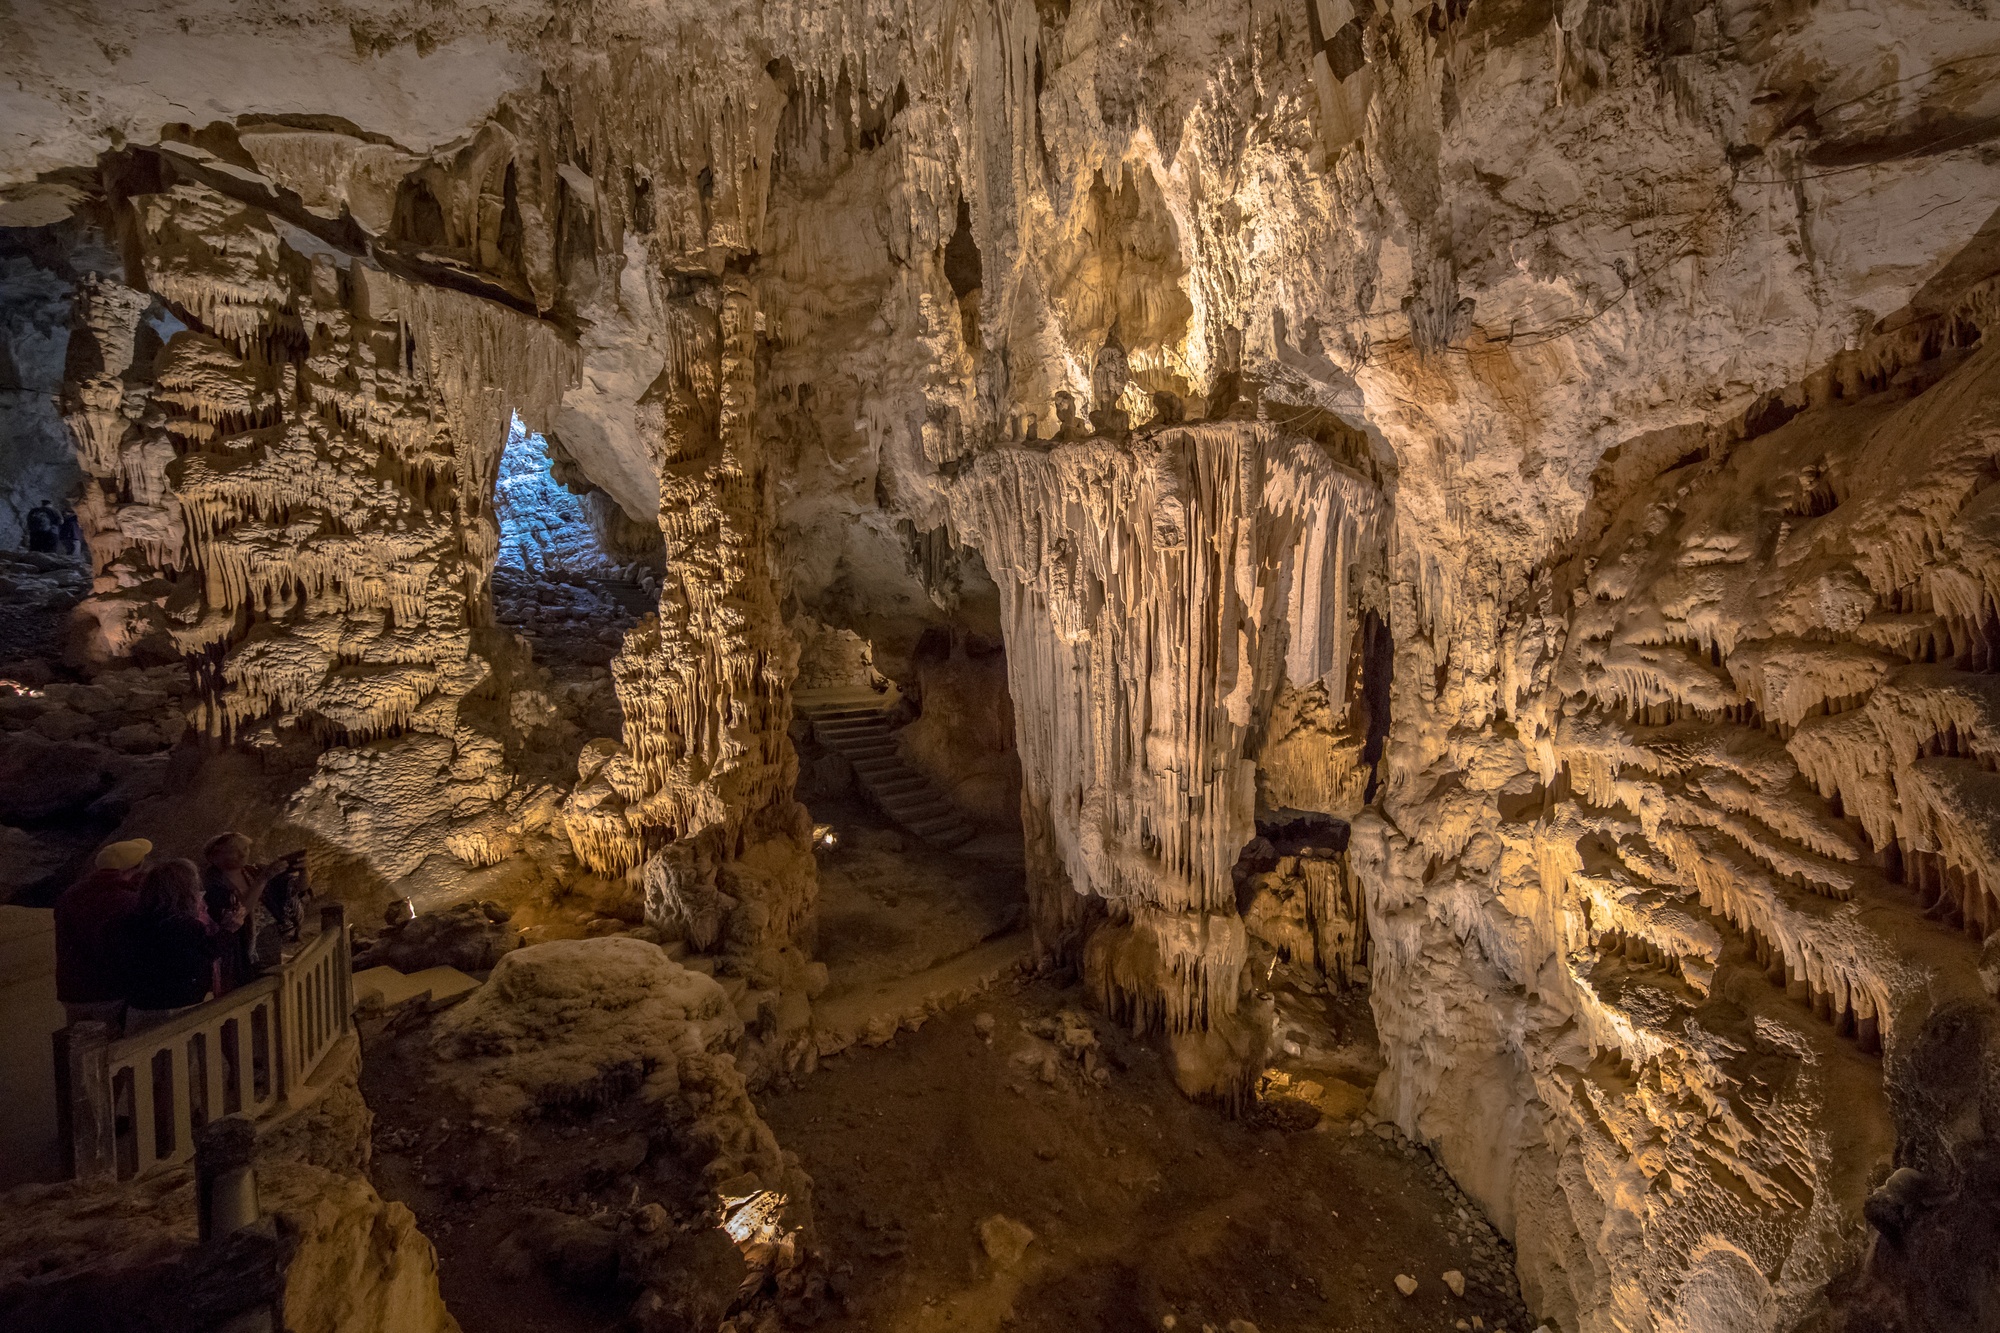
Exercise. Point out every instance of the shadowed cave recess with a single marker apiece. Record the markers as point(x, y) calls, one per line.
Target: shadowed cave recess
point(1042, 664)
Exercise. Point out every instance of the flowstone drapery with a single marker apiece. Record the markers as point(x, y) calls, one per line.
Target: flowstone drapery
point(1738, 829)
point(1659, 329)
point(1157, 591)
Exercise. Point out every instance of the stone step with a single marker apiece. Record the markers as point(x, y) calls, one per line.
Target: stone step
point(950, 837)
point(868, 750)
point(858, 740)
point(879, 727)
point(934, 811)
point(915, 801)
point(863, 737)
point(932, 821)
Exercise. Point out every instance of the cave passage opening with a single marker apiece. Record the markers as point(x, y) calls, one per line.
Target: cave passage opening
point(914, 788)
point(570, 576)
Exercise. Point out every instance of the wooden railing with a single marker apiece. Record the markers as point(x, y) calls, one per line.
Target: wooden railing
point(129, 1106)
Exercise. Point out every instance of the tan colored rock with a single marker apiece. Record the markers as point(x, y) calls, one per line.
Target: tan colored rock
point(1005, 1240)
point(361, 1262)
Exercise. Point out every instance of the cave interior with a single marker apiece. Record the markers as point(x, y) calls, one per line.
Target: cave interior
point(872, 653)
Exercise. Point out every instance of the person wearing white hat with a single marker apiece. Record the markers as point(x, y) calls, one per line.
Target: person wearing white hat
point(88, 976)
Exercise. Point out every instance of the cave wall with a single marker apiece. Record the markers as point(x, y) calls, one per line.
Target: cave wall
point(292, 491)
point(36, 293)
point(819, 275)
point(1724, 876)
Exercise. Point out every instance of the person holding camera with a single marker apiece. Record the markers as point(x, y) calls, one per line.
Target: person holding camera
point(264, 898)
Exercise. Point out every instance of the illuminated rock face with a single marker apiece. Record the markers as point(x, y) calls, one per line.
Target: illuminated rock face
point(293, 480)
point(1734, 828)
point(1628, 365)
point(1155, 593)
point(703, 782)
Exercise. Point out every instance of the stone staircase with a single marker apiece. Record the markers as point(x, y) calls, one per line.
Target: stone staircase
point(858, 731)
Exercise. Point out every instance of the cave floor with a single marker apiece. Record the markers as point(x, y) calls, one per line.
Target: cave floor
point(1016, 1105)
point(905, 928)
point(1009, 1101)
point(1143, 1205)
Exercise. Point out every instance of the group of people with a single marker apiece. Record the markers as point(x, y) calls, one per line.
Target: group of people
point(49, 527)
point(139, 940)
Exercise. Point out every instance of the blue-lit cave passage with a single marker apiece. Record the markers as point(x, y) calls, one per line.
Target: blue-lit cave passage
point(573, 573)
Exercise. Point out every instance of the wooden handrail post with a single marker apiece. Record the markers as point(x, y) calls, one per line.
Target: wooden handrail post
point(333, 917)
point(225, 1178)
point(90, 1125)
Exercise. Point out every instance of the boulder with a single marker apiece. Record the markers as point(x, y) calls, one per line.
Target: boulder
point(467, 936)
point(42, 778)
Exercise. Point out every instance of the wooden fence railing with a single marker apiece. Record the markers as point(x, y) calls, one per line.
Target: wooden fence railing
point(129, 1106)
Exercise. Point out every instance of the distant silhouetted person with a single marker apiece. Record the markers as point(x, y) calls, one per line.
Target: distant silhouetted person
point(170, 946)
point(90, 979)
point(69, 533)
point(44, 524)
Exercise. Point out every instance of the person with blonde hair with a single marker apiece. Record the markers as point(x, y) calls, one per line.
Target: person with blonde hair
point(171, 945)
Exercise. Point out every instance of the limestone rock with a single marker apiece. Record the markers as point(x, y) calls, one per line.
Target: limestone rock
point(1004, 1239)
point(361, 1263)
point(559, 1025)
point(464, 937)
point(1631, 373)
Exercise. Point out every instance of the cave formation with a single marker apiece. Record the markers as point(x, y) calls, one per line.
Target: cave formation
point(1130, 664)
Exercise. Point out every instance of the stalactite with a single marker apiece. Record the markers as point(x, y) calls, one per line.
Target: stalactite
point(1156, 594)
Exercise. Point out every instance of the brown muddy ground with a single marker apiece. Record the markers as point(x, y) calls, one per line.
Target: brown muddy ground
point(1145, 1208)
point(1147, 1211)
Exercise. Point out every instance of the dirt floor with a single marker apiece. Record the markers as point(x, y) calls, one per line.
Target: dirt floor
point(1147, 1211)
point(890, 906)
point(905, 928)
point(1014, 1110)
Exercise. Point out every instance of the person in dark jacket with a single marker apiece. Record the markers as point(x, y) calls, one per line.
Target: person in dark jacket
point(171, 946)
point(89, 980)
